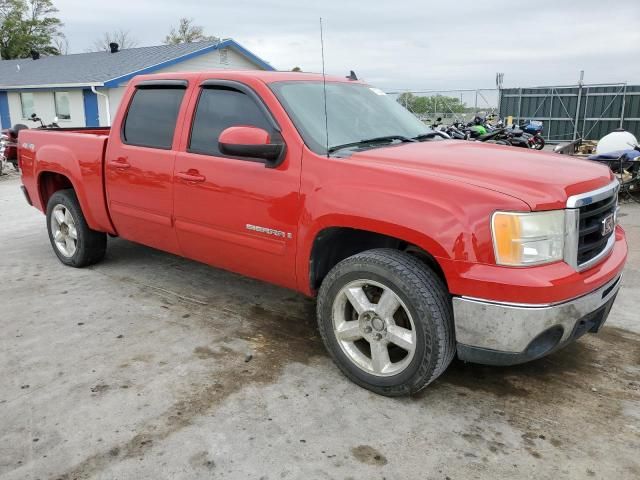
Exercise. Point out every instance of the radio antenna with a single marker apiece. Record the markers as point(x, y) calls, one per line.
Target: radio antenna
point(324, 89)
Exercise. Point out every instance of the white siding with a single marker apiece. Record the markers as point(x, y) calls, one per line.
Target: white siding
point(45, 108)
point(115, 96)
point(213, 61)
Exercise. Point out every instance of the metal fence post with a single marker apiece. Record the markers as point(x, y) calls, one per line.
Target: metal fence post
point(575, 123)
point(584, 117)
point(624, 101)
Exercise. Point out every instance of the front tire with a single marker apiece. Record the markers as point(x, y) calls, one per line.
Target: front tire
point(73, 242)
point(386, 319)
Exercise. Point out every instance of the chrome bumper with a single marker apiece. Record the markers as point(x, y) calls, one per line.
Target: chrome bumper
point(503, 333)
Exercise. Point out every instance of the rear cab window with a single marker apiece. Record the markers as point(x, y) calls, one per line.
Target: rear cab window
point(152, 115)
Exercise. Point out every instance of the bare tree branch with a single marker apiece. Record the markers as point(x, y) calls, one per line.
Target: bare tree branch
point(122, 37)
point(187, 32)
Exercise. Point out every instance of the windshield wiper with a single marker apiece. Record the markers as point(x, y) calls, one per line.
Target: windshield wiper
point(426, 136)
point(387, 138)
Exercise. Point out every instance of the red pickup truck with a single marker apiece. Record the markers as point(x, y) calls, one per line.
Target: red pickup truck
point(417, 248)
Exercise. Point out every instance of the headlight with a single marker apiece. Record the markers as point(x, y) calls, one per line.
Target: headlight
point(521, 239)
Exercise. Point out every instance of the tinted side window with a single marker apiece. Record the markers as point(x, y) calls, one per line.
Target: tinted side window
point(218, 109)
point(151, 119)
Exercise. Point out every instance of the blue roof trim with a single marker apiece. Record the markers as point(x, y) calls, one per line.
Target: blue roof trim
point(47, 89)
point(251, 56)
point(224, 44)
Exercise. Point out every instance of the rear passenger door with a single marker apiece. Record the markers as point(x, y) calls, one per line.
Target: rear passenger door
point(139, 167)
point(238, 215)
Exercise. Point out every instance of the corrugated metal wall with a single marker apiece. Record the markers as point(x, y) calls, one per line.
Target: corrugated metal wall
point(570, 112)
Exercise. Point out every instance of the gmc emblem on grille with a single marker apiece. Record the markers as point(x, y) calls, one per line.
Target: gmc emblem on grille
point(607, 225)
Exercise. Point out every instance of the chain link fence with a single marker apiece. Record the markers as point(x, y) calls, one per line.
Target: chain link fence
point(450, 105)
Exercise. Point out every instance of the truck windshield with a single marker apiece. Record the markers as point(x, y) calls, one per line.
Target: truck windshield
point(355, 112)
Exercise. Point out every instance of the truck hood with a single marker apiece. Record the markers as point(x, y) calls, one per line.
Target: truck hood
point(543, 180)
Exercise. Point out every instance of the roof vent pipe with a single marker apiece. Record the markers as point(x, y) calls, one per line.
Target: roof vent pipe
point(35, 55)
point(114, 47)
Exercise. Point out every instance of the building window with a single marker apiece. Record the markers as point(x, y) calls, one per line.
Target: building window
point(63, 106)
point(28, 106)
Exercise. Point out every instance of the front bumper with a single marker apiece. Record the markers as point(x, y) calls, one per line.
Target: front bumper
point(496, 333)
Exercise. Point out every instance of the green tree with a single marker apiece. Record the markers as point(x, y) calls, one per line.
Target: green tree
point(441, 104)
point(187, 32)
point(27, 25)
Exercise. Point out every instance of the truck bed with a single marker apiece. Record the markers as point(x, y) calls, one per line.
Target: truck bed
point(76, 153)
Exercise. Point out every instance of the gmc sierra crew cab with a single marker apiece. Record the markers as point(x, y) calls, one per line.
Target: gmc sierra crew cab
point(417, 248)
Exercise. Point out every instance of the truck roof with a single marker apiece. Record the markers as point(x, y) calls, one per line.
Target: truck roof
point(264, 76)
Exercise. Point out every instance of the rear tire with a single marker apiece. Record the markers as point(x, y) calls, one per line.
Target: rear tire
point(73, 242)
point(381, 301)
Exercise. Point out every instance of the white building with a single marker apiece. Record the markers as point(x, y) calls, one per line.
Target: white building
point(85, 89)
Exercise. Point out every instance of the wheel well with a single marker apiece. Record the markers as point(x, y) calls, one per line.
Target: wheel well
point(49, 183)
point(332, 245)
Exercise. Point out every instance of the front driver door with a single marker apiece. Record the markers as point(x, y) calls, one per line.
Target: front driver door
point(235, 213)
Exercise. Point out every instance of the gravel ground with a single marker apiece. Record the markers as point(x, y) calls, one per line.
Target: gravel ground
point(150, 366)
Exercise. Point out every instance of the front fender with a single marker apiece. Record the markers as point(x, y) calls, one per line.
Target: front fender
point(450, 221)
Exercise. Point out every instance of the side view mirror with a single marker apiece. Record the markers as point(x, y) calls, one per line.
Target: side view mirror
point(33, 115)
point(252, 142)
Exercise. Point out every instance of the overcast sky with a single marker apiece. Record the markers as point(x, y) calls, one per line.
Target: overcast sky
point(400, 44)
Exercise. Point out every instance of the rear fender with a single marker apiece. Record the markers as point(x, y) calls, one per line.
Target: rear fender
point(86, 177)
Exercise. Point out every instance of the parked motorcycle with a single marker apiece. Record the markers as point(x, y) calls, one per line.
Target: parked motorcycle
point(457, 131)
point(498, 133)
point(625, 164)
point(9, 140)
point(534, 128)
point(35, 118)
point(491, 129)
point(9, 146)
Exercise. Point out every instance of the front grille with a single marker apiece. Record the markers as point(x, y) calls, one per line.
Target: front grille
point(591, 242)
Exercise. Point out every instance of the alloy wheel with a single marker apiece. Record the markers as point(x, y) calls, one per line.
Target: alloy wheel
point(63, 229)
point(374, 328)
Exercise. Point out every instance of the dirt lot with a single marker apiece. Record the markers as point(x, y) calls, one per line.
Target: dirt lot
point(149, 366)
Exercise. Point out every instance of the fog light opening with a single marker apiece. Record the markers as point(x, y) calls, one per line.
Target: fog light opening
point(545, 342)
